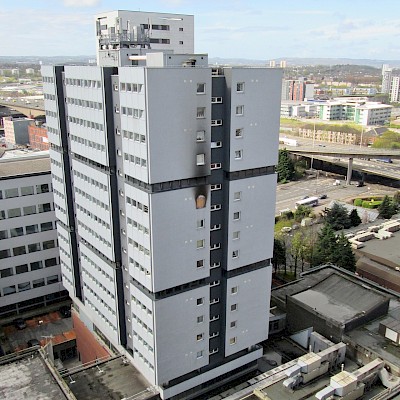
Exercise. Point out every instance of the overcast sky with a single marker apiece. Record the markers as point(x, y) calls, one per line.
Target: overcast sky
point(252, 29)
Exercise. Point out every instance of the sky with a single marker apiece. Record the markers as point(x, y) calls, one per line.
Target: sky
point(249, 29)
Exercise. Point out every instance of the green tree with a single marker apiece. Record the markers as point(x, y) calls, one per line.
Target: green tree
point(301, 212)
point(285, 168)
point(387, 208)
point(334, 249)
point(279, 256)
point(337, 217)
point(354, 218)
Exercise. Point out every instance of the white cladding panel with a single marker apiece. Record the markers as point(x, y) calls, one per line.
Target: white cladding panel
point(179, 349)
point(247, 305)
point(251, 220)
point(177, 243)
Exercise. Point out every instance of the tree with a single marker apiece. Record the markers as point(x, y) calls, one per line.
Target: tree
point(334, 249)
point(387, 208)
point(300, 248)
point(301, 212)
point(279, 256)
point(285, 168)
point(354, 218)
point(337, 217)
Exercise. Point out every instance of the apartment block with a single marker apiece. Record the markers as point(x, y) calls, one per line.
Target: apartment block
point(30, 275)
point(164, 181)
point(16, 130)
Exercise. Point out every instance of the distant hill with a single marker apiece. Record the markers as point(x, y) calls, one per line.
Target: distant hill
point(294, 61)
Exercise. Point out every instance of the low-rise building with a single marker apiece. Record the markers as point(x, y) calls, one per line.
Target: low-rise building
point(16, 130)
point(30, 274)
point(38, 136)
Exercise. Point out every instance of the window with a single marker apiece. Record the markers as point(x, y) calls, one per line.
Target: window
point(216, 166)
point(239, 132)
point(180, 29)
point(200, 244)
point(33, 247)
point(201, 112)
point(24, 286)
point(28, 210)
point(239, 110)
point(236, 215)
point(200, 319)
point(48, 244)
point(9, 290)
point(21, 269)
point(232, 341)
point(38, 282)
point(218, 186)
point(2, 214)
point(240, 87)
point(16, 232)
point(215, 265)
point(36, 265)
point(3, 234)
point(52, 279)
point(233, 324)
point(4, 273)
point(50, 262)
point(5, 254)
point(46, 226)
point(238, 154)
point(215, 227)
point(200, 301)
point(200, 159)
point(216, 122)
point(44, 207)
point(200, 263)
point(19, 251)
point(215, 283)
point(200, 354)
point(26, 190)
point(199, 336)
point(234, 307)
point(200, 136)
point(237, 196)
point(31, 229)
point(200, 223)
point(215, 246)
point(215, 100)
point(44, 188)
point(14, 212)
point(9, 193)
point(234, 290)
point(201, 87)
point(181, 42)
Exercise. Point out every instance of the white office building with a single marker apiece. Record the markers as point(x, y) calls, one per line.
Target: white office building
point(30, 275)
point(164, 182)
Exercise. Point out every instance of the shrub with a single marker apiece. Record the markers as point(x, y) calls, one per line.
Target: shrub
point(371, 204)
point(358, 202)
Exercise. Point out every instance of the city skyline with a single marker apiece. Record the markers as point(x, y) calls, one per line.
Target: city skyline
point(263, 30)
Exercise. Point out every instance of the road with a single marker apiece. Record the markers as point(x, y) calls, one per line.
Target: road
point(288, 194)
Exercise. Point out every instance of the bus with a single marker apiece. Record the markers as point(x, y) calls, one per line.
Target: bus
point(309, 202)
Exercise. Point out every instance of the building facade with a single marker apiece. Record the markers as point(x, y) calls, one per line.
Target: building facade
point(30, 275)
point(165, 208)
point(38, 136)
point(16, 130)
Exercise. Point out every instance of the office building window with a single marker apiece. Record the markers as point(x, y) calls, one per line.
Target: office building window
point(234, 307)
point(33, 247)
point(237, 196)
point(236, 215)
point(31, 229)
point(200, 223)
point(233, 324)
point(24, 286)
point(4, 273)
point(38, 283)
point(200, 301)
point(21, 269)
point(232, 341)
point(9, 290)
point(238, 154)
point(44, 188)
point(201, 87)
point(235, 253)
point(14, 212)
point(200, 136)
point(16, 232)
point(200, 319)
point(239, 132)
point(200, 159)
point(9, 193)
point(26, 190)
point(3, 234)
point(234, 290)
point(240, 87)
point(200, 354)
point(236, 235)
point(239, 110)
point(201, 112)
point(199, 336)
point(200, 244)
point(19, 251)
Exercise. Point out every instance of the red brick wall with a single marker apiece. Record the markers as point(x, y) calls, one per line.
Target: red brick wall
point(38, 137)
point(89, 348)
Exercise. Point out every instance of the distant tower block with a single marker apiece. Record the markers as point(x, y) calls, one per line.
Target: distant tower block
point(283, 64)
point(272, 63)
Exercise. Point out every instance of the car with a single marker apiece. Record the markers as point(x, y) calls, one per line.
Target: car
point(65, 311)
point(323, 196)
point(33, 342)
point(19, 323)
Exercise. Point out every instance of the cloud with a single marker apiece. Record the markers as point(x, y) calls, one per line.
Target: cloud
point(81, 3)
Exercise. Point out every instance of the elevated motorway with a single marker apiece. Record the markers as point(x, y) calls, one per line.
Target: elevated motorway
point(30, 110)
point(362, 159)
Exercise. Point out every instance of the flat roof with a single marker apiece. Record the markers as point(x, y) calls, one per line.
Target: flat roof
point(28, 378)
point(13, 164)
point(340, 299)
point(110, 380)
